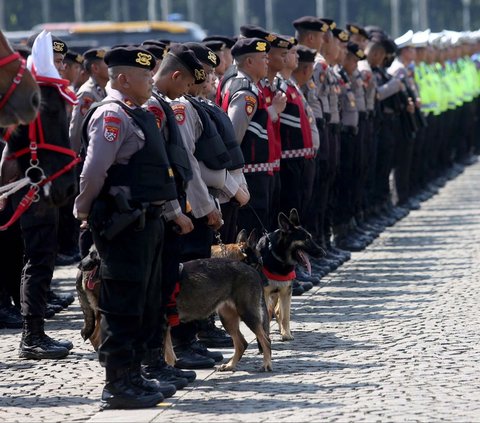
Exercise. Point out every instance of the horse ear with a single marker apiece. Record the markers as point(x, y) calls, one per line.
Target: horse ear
point(294, 218)
point(253, 238)
point(284, 223)
point(242, 236)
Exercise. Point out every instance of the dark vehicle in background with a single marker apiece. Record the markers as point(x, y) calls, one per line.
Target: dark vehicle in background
point(81, 36)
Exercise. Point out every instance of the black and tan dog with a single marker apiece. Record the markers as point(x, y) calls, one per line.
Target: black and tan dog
point(281, 251)
point(228, 286)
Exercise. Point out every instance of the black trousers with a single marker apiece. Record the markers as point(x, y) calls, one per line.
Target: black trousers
point(68, 229)
point(291, 175)
point(385, 155)
point(131, 292)
point(11, 259)
point(229, 230)
point(403, 162)
point(39, 225)
point(346, 184)
point(256, 214)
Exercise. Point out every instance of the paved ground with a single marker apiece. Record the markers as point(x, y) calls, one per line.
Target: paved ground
point(393, 335)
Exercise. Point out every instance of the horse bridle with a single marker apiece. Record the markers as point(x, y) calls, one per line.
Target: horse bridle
point(35, 175)
point(17, 78)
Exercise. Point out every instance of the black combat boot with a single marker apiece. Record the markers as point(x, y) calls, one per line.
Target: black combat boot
point(139, 379)
point(212, 336)
point(36, 345)
point(120, 392)
point(155, 367)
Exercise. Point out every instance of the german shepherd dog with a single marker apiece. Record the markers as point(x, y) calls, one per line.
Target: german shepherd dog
point(281, 251)
point(228, 286)
point(244, 249)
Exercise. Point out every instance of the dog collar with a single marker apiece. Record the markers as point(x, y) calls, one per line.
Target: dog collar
point(276, 277)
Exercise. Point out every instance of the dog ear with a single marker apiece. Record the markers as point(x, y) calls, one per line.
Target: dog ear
point(284, 223)
point(294, 218)
point(253, 239)
point(242, 236)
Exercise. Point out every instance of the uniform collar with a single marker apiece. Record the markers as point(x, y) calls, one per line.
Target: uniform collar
point(118, 95)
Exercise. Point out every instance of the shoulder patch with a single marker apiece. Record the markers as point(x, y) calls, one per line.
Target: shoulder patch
point(250, 102)
point(179, 112)
point(158, 113)
point(111, 133)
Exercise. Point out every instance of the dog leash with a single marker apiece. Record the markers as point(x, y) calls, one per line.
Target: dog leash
point(221, 244)
point(265, 232)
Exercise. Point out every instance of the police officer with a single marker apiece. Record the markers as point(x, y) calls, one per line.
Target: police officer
point(247, 109)
point(90, 92)
point(124, 184)
point(73, 66)
point(39, 223)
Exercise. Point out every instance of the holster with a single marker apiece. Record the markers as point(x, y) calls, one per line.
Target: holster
point(111, 215)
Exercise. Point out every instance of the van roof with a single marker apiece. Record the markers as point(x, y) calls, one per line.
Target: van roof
point(108, 26)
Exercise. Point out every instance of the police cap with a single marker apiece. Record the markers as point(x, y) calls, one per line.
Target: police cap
point(305, 54)
point(94, 54)
point(356, 29)
point(74, 57)
point(204, 54)
point(214, 45)
point(278, 41)
point(228, 41)
point(130, 56)
point(341, 34)
point(310, 23)
point(356, 50)
point(250, 45)
point(189, 60)
point(330, 22)
point(157, 48)
point(253, 31)
point(58, 45)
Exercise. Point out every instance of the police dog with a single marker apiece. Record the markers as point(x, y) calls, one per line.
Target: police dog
point(244, 249)
point(281, 251)
point(228, 286)
point(88, 291)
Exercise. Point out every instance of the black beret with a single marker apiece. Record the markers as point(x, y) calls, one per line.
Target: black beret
point(250, 45)
point(306, 54)
point(253, 31)
point(130, 56)
point(94, 54)
point(189, 60)
point(389, 45)
point(74, 57)
point(310, 23)
point(214, 45)
point(23, 49)
point(330, 22)
point(204, 54)
point(278, 41)
point(58, 45)
point(341, 34)
point(157, 49)
point(356, 29)
point(292, 40)
point(356, 50)
point(228, 41)
point(165, 41)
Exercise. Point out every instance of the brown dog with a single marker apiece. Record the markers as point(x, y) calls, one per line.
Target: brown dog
point(230, 287)
point(88, 290)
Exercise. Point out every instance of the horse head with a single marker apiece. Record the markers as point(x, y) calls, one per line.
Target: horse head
point(19, 93)
point(43, 152)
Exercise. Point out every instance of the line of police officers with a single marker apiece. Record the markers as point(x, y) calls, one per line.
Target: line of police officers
point(348, 126)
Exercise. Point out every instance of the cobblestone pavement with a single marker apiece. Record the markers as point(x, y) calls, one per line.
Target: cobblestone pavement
point(393, 335)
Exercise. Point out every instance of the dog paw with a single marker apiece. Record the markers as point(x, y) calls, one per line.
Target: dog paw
point(226, 368)
point(287, 337)
point(266, 368)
